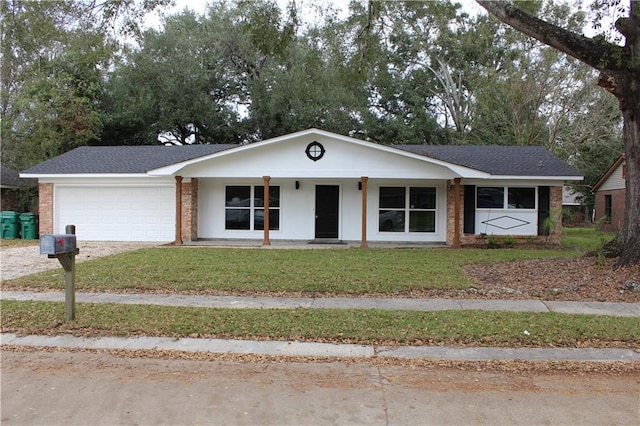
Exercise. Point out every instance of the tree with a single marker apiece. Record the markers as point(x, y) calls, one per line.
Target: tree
point(175, 85)
point(619, 69)
point(54, 57)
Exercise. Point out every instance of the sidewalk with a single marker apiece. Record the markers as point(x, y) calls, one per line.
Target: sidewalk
point(390, 304)
point(291, 348)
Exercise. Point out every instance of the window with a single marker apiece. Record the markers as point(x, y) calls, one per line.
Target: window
point(274, 208)
point(522, 198)
point(420, 209)
point(608, 209)
point(493, 197)
point(246, 212)
point(490, 197)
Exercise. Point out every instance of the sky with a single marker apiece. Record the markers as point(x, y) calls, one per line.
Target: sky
point(306, 6)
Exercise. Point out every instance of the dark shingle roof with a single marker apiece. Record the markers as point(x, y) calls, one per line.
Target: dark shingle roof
point(10, 178)
point(492, 159)
point(498, 159)
point(122, 159)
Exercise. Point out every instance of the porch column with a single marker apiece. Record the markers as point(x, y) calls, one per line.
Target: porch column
point(363, 241)
point(456, 212)
point(265, 241)
point(178, 240)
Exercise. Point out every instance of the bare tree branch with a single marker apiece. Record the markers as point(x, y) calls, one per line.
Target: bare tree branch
point(597, 53)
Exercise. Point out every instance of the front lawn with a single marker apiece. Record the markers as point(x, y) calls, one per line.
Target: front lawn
point(351, 271)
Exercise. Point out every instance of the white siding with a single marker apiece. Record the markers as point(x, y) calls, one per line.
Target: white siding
point(615, 181)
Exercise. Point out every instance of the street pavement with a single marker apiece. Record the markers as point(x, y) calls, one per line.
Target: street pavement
point(97, 388)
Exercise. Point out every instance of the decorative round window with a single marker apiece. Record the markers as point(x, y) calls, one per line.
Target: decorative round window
point(315, 151)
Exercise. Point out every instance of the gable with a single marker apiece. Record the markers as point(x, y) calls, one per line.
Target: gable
point(613, 178)
point(341, 158)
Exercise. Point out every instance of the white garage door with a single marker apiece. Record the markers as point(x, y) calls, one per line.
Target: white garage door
point(122, 213)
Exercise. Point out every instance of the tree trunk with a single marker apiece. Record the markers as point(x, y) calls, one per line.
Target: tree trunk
point(620, 75)
point(630, 236)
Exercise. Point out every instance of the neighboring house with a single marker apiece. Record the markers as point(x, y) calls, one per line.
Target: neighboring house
point(11, 185)
point(610, 192)
point(320, 186)
point(573, 206)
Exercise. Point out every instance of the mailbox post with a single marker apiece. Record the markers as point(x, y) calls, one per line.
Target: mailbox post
point(63, 247)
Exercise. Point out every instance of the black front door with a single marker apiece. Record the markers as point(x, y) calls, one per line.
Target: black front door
point(327, 211)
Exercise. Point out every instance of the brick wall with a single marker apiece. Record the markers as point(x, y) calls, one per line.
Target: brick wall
point(618, 204)
point(189, 206)
point(45, 208)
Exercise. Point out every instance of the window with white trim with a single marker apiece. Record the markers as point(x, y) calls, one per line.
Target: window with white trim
point(244, 207)
point(505, 197)
point(399, 203)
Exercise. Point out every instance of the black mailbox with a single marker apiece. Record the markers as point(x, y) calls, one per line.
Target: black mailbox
point(54, 244)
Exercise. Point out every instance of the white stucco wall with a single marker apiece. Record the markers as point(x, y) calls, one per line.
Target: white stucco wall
point(297, 211)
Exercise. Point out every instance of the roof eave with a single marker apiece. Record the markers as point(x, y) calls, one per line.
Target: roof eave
point(82, 175)
point(536, 177)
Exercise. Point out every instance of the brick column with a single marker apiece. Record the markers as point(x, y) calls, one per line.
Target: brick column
point(45, 208)
point(189, 207)
point(555, 234)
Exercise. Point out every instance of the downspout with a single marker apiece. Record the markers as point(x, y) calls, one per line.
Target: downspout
point(456, 213)
point(363, 241)
point(178, 240)
point(266, 241)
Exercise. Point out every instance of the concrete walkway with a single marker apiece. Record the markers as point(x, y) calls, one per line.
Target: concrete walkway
point(292, 348)
point(390, 304)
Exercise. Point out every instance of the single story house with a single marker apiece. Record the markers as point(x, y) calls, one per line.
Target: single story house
point(310, 185)
point(11, 186)
point(610, 193)
point(574, 206)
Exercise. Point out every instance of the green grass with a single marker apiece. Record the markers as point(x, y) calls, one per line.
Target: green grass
point(329, 271)
point(352, 326)
point(585, 239)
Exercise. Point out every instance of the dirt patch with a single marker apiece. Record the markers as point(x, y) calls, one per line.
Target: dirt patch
point(20, 261)
point(581, 279)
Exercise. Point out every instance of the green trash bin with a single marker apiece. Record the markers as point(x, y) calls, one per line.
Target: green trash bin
point(9, 225)
point(29, 225)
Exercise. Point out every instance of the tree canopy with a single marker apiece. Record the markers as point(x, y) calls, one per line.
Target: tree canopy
point(389, 72)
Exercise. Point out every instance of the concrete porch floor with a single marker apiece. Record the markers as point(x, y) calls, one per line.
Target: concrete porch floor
point(305, 244)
